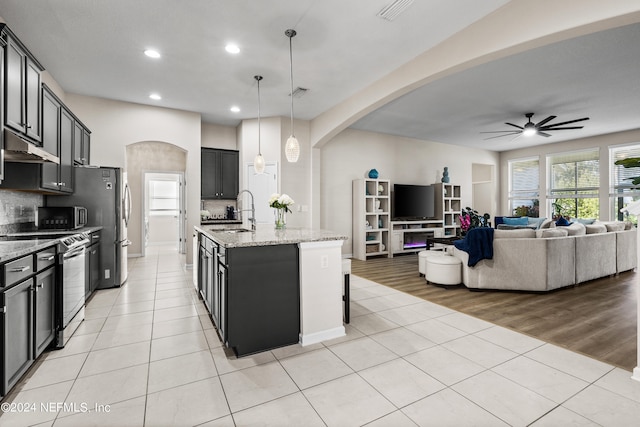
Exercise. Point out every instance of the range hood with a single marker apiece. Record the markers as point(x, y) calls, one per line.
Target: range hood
point(19, 150)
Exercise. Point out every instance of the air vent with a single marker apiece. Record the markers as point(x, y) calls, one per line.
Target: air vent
point(299, 92)
point(392, 11)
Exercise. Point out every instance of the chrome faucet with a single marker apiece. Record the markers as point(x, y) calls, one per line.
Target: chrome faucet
point(253, 209)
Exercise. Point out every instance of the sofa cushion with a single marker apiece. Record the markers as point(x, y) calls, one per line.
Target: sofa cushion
point(515, 227)
point(514, 234)
point(523, 220)
point(595, 228)
point(552, 232)
point(576, 229)
point(614, 226)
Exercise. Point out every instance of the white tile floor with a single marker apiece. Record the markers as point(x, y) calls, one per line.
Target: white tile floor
point(147, 355)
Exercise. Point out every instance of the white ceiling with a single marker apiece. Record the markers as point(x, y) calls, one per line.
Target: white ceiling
point(94, 48)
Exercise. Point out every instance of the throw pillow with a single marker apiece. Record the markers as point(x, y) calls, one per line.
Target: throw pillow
point(595, 228)
point(548, 223)
point(523, 220)
point(586, 221)
point(552, 232)
point(537, 222)
point(562, 222)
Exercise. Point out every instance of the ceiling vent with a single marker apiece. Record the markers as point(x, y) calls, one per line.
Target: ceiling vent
point(299, 92)
point(392, 11)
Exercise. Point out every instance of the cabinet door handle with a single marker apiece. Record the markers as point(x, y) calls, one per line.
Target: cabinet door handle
point(47, 258)
point(20, 269)
point(41, 285)
point(29, 126)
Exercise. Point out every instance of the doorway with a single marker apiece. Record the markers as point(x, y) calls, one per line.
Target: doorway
point(483, 187)
point(164, 210)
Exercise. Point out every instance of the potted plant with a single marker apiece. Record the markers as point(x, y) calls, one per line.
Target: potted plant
point(470, 218)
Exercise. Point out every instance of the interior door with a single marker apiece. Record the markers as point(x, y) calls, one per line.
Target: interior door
point(262, 186)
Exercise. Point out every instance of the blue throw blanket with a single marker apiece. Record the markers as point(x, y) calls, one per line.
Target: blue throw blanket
point(478, 243)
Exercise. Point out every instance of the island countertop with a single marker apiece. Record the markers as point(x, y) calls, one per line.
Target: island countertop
point(266, 235)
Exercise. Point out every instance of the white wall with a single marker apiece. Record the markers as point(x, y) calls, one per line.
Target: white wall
point(603, 142)
point(116, 124)
point(217, 136)
point(352, 153)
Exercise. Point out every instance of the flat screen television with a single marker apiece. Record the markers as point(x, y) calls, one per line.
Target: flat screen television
point(413, 202)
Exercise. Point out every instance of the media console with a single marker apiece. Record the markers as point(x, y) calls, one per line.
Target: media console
point(411, 236)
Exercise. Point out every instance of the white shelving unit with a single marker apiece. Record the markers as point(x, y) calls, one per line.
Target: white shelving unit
point(371, 218)
point(448, 207)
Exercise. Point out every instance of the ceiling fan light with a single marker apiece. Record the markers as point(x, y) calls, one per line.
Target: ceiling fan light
point(258, 163)
point(529, 130)
point(292, 149)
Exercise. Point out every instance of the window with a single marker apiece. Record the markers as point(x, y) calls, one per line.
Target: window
point(163, 198)
point(574, 182)
point(622, 190)
point(524, 187)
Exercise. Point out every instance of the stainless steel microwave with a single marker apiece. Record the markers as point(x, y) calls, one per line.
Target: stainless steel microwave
point(61, 217)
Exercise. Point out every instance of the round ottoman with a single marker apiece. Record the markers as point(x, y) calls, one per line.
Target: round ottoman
point(444, 270)
point(422, 260)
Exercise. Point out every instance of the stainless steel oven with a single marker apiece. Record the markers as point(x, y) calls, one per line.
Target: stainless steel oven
point(71, 289)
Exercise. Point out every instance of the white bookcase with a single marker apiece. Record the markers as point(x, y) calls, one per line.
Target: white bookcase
point(371, 218)
point(448, 207)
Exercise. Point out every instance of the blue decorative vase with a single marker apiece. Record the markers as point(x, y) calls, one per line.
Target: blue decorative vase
point(445, 175)
point(373, 174)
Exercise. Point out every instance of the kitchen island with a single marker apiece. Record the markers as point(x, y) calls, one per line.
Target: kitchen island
point(269, 288)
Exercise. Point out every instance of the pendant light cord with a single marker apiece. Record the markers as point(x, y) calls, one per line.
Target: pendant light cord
point(291, 34)
point(258, 78)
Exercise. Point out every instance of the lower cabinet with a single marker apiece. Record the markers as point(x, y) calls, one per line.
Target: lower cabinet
point(252, 295)
point(17, 333)
point(44, 299)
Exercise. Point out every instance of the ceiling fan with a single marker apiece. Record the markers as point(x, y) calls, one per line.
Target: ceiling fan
point(540, 128)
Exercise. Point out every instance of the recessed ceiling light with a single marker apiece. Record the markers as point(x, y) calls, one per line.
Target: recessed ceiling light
point(235, 109)
point(151, 53)
point(155, 96)
point(232, 48)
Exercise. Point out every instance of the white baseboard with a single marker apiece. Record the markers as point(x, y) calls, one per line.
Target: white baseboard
point(636, 373)
point(317, 337)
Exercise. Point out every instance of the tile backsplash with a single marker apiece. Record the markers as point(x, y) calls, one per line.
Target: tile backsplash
point(18, 210)
point(217, 208)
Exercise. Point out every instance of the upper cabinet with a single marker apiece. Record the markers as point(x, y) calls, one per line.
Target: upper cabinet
point(23, 99)
point(81, 136)
point(219, 174)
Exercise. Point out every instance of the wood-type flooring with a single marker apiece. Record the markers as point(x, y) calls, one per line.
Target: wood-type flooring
point(596, 318)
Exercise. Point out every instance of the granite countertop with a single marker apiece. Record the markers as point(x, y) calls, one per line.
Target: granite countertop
point(219, 221)
point(11, 249)
point(266, 235)
point(33, 241)
point(60, 233)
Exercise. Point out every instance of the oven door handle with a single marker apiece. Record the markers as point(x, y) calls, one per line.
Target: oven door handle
point(74, 253)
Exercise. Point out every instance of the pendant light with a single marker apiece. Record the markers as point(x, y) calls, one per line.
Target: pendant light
point(292, 148)
point(258, 162)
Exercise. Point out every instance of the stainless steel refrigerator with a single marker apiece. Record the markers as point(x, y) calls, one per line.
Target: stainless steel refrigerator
point(105, 193)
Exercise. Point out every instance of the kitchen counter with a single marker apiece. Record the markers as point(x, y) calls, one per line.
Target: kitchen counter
point(212, 221)
point(266, 235)
point(316, 286)
point(11, 249)
point(14, 245)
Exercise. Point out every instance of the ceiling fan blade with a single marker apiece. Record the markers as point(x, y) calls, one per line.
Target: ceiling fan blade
point(542, 122)
point(501, 131)
point(511, 124)
point(506, 134)
point(546, 135)
point(566, 123)
point(566, 128)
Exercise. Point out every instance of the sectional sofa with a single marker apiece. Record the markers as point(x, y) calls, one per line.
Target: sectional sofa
point(551, 258)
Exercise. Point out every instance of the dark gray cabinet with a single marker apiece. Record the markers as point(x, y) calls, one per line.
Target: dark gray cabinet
point(50, 177)
point(81, 140)
point(2, 43)
point(44, 299)
point(22, 89)
point(219, 174)
point(254, 297)
point(67, 124)
point(17, 333)
point(93, 261)
point(27, 315)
